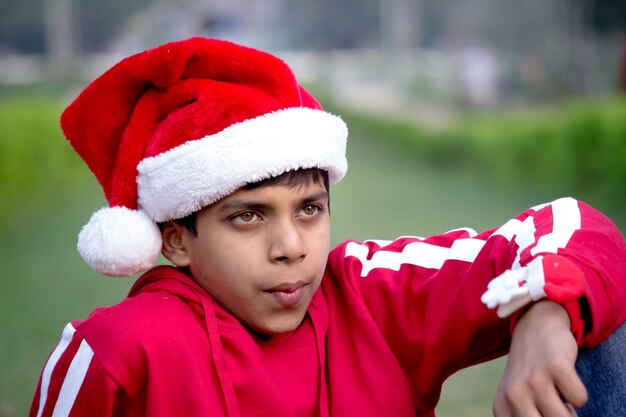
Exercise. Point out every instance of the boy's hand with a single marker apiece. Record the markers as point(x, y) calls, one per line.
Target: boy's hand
point(540, 378)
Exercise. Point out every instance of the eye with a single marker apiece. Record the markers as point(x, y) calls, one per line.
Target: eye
point(245, 217)
point(310, 210)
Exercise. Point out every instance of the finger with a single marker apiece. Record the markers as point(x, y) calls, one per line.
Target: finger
point(500, 406)
point(572, 411)
point(550, 403)
point(514, 400)
point(571, 387)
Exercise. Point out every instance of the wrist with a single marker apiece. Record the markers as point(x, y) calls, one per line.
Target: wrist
point(545, 313)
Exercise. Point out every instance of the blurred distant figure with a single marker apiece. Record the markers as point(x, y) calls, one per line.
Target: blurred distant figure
point(479, 76)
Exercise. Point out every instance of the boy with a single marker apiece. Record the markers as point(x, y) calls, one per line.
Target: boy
point(214, 155)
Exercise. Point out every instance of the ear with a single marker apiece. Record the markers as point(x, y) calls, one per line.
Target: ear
point(174, 247)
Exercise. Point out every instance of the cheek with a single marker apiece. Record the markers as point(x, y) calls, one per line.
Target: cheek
point(208, 258)
point(219, 277)
point(226, 262)
point(324, 234)
point(320, 246)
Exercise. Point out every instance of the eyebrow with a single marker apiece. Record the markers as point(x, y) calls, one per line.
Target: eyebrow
point(242, 204)
point(322, 195)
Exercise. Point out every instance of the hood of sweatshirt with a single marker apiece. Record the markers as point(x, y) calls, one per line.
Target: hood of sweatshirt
point(236, 350)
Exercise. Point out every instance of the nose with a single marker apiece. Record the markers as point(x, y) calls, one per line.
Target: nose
point(286, 245)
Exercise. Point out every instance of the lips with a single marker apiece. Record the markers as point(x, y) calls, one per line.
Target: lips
point(288, 295)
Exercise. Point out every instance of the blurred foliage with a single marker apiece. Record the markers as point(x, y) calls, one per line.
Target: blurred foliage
point(576, 149)
point(608, 15)
point(387, 193)
point(580, 146)
point(35, 163)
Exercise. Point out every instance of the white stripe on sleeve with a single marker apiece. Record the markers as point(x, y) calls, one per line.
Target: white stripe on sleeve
point(524, 239)
point(66, 337)
point(565, 221)
point(73, 380)
point(420, 254)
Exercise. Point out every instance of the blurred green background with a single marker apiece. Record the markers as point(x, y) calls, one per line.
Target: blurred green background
point(459, 115)
point(391, 190)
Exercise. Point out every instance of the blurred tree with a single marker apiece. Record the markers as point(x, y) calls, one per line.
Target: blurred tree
point(580, 53)
point(589, 19)
point(399, 24)
point(327, 24)
point(23, 22)
point(99, 21)
point(608, 16)
point(59, 37)
point(22, 25)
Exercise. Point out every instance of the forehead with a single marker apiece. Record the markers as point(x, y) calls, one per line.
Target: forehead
point(289, 185)
point(294, 179)
point(275, 193)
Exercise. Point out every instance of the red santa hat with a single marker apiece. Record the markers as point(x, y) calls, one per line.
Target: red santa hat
point(175, 128)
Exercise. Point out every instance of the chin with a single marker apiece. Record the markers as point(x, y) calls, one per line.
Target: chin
point(281, 326)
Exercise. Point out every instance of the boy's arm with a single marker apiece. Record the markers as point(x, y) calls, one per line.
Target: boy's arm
point(74, 383)
point(425, 294)
point(578, 259)
point(540, 377)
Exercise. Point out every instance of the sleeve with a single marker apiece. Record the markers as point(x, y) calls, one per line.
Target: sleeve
point(74, 383)
point(425, 293)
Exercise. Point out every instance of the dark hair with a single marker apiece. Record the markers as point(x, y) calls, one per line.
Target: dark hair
point(290, 179)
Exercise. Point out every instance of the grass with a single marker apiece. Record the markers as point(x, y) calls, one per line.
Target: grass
point(576, 148)
point(44, 285)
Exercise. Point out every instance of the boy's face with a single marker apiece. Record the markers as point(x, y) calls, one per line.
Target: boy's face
point(260, 253)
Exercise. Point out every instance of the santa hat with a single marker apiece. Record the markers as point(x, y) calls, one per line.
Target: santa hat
point(175, 128)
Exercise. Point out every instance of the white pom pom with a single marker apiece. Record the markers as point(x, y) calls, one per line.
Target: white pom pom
point(119, 242)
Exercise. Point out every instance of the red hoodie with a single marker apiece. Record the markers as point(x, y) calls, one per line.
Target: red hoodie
point(391, 321)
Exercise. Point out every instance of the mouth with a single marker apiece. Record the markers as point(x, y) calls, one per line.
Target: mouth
point(288, 295)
